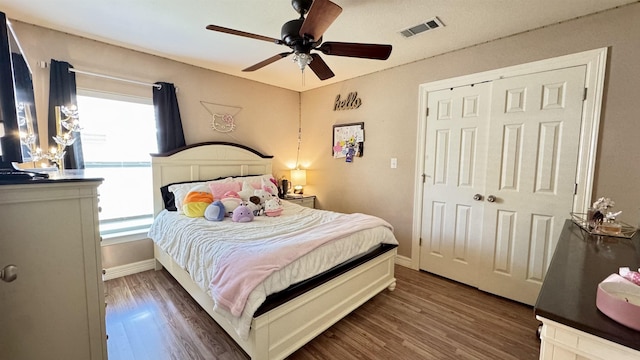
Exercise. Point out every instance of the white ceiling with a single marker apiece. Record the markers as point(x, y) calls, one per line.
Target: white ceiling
point(176, 29)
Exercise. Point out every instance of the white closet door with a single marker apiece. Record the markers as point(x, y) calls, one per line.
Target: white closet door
point(455, 163)
point(532, 151)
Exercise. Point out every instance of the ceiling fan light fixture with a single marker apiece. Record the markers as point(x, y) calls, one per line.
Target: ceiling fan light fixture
point(302, 60)
point(305, 34)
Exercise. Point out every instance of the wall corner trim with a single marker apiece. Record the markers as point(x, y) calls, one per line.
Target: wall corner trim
point(404, 261)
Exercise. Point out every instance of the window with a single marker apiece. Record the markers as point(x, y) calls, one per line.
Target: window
point(118, 134)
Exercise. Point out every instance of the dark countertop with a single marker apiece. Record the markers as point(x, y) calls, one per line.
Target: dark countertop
point(580, 262)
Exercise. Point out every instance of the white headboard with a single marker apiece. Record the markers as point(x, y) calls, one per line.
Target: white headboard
point(205, 161)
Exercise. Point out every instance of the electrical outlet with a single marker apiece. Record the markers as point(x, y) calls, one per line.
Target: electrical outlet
point(394, 163)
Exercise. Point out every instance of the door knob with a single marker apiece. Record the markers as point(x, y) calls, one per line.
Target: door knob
point(477, 197)
point(9, 273)
point(491, 198)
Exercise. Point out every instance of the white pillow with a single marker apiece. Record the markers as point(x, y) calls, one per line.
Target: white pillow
point(255, 181)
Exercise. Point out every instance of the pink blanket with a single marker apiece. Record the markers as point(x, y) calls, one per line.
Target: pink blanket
point(238, 273)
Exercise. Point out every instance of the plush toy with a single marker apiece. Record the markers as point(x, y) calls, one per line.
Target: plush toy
point(242, 214)
point(262, 195)
point(273, 207)
point(269, 186)
point(247, 191)
point(196, 201)
point(215, 211)
point(254, 205)
point(231, 200)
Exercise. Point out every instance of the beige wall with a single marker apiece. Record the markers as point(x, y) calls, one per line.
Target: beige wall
point(389, 109)
point(390, 113)
point(126, 253)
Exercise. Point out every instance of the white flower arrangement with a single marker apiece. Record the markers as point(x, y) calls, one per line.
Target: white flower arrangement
point(602, 205)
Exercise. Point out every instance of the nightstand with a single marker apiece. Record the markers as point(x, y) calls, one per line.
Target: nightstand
point(304, 200)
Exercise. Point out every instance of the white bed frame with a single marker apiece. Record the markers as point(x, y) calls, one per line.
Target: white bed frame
point(281, 331)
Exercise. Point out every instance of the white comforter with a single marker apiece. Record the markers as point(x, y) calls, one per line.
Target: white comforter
point(194, 242)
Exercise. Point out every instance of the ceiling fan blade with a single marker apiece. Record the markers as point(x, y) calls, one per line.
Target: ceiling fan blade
point(321, 15)
point(268, 61)
point(320, 68)
point(242, 33)
point(367, 51)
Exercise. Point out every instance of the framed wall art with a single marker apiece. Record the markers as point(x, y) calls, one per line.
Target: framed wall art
point(348, 141)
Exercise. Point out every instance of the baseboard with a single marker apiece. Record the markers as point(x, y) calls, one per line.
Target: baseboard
point(403, 261)
point(128, 269)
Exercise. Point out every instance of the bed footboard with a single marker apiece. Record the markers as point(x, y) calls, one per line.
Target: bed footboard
point(281, 331)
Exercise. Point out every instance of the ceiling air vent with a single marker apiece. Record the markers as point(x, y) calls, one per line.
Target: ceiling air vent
point(422, 27)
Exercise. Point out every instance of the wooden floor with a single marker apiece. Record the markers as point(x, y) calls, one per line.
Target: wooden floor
point(149, 316)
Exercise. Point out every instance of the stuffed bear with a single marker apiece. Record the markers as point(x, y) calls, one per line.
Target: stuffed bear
point(215, 211)
point(273, 207)
point(242, 214)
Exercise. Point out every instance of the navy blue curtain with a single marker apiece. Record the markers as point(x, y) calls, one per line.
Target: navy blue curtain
point(168, 122)
point(62, 91)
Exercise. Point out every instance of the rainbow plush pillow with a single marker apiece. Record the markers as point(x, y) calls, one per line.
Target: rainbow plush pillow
point(196, 201)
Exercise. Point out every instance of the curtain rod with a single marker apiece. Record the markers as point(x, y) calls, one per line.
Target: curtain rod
point(113, 78)
point(44, 64)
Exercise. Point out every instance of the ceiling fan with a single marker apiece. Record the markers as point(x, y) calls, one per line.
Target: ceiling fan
point(305, 34)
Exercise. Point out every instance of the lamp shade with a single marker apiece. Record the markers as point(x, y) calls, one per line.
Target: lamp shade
point(298, 177)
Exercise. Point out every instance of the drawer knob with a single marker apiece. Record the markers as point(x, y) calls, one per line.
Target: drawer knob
point(9, 273)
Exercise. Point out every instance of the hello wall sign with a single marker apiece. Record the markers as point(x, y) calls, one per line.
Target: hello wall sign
point(351, 102)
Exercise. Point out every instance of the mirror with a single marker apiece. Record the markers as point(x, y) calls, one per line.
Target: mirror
point(19, 128)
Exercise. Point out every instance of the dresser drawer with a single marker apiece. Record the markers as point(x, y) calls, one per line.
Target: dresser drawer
point(306, 201)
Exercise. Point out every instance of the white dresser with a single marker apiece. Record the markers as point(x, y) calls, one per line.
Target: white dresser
point(55, 308)
point(572, 326)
